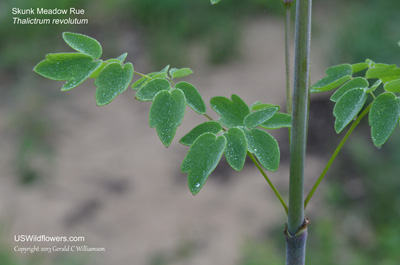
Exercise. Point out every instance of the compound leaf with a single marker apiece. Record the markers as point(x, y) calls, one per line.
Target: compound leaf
point(201, 159)
point(83, 44)
point(149, 90)
point(258, 117)
point(236, 148)
point(393, 86)
point(71, 67)
point(336, 76)
point(265, 148)
point(166, 114)
point(112, 81)
point(178, 73)
point(383, 117)
point(205, 127)
point(356, 82)
point(279, 120)
point(347, 107)
point(193, 97)
point(232, 112)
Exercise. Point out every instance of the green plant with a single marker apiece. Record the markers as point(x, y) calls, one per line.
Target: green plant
point(241, 129)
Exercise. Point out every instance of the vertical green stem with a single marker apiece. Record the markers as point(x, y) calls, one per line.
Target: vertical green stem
point(299, 116)
point(287, 61)
point(296, 229)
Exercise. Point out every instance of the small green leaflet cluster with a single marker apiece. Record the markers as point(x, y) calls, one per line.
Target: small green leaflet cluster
point(235, 135)
point(352, 93)
point(112, 76)
point(168, 100)
point(238, 132)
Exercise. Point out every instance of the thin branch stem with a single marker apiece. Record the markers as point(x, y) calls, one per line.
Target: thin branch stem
point(208, 117)
point(287, 62)
point(142, 75)
point(268, 180)
point(334, 155)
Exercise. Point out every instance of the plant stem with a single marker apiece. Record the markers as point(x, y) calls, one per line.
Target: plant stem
point(268, 180)
point(296, 245)
point(299, 117)
point(142, 75)
point(334, 155)
point(287, 61)
point(208, 117)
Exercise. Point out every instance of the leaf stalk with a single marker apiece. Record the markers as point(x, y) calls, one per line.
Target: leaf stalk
point(335, 153)
point(268, 180)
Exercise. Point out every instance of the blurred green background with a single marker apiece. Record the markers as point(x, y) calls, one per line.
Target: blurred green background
point(358, 220)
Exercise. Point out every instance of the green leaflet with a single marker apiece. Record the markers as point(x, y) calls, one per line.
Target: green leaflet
point(279, 120)
point(150, 89)
point(96, 73)
point(383, 117)
point(83, 44)
point(336, 76)
point(381, 70)
point(370, 63)
point(259, 105)
point(258, 117)
point(384, 72)
point(265, 148)
point(393, 86)
point(193, 97)
point(71, 67)
point(358, 67)
point(112, 81)
point(356, 82)
point(236, 148)
point(143, 80)
point(374, 86)
point(122, 57)
point(206, 127)
point(178, 73)
point(166, 114)
point(160, 74)
point(201, 159)
point(232, 112)
point(347, 107)
point(213, 2)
